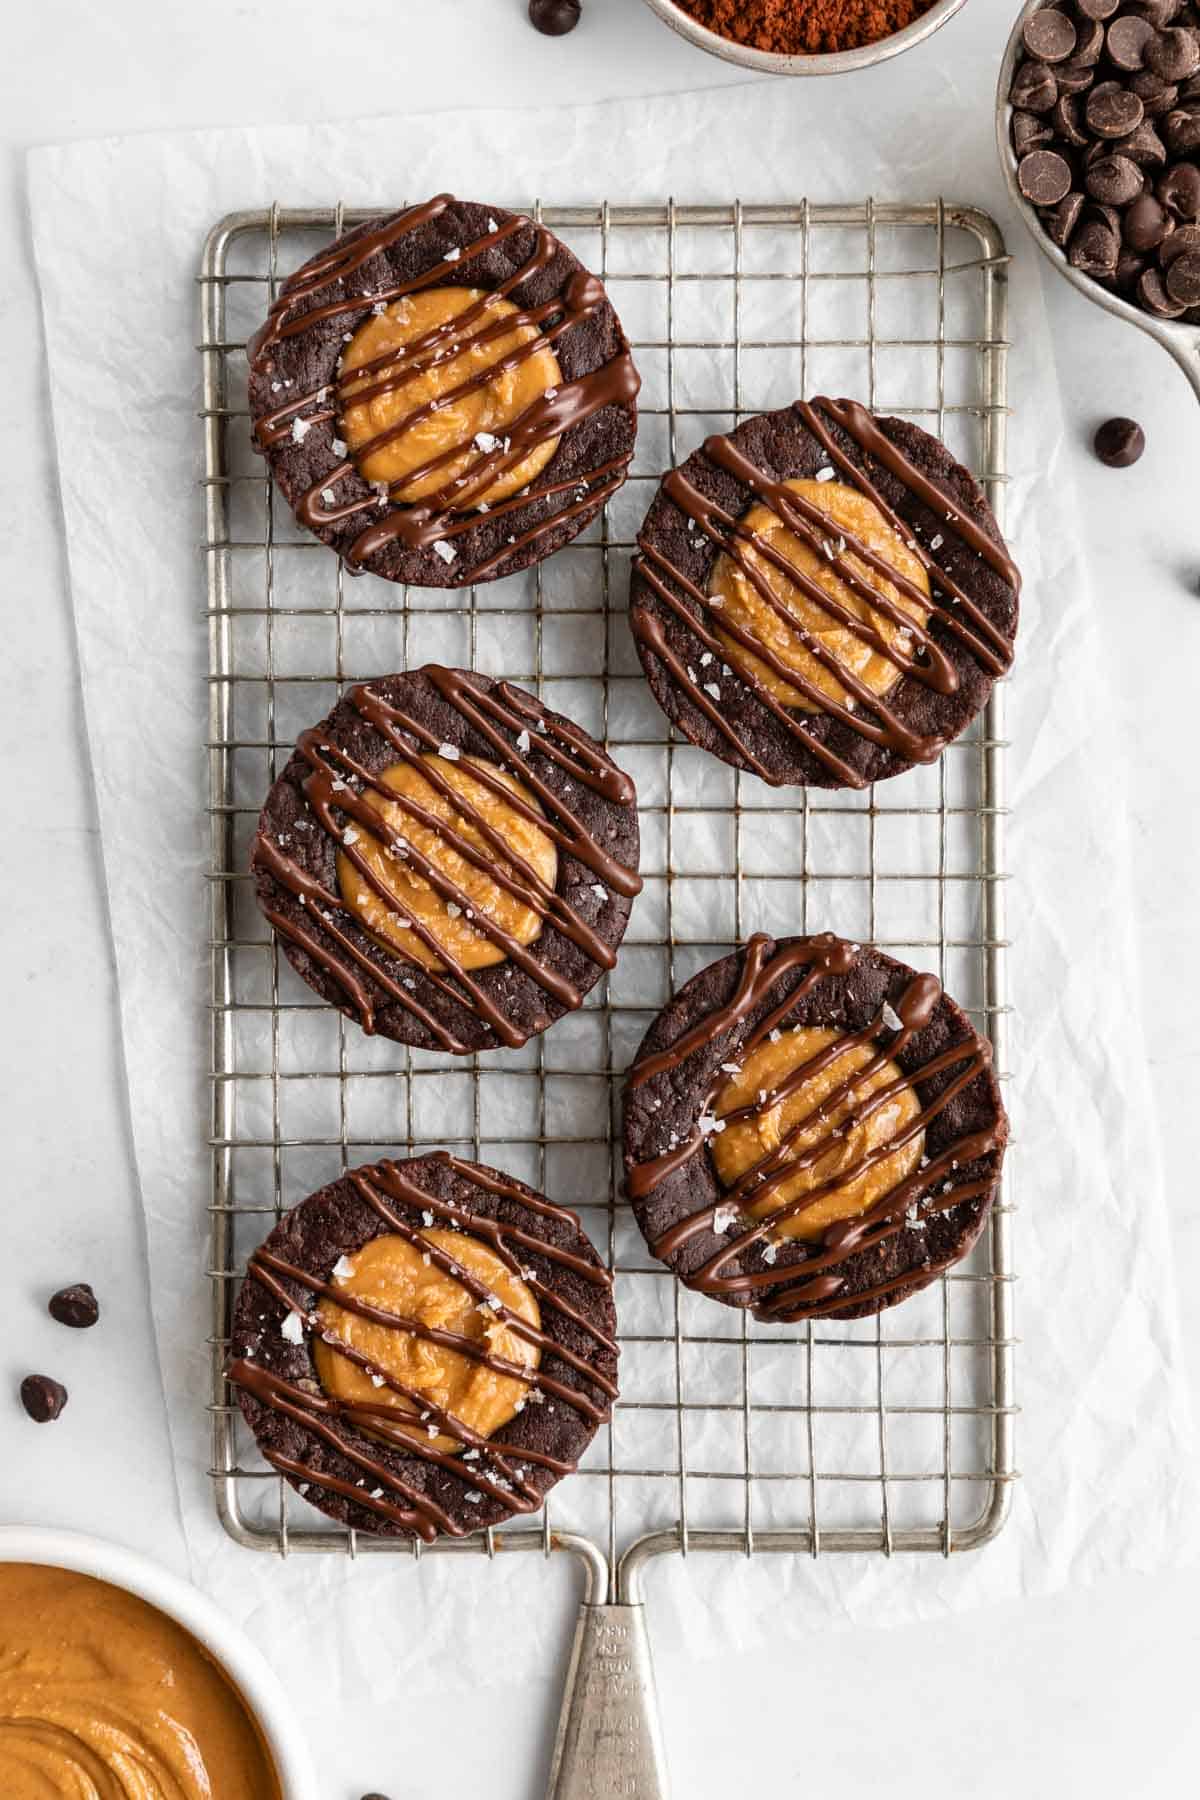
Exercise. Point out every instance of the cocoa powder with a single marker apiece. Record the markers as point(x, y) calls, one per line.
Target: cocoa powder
point(805, 27)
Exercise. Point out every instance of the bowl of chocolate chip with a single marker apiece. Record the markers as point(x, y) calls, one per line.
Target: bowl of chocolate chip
point(1098, 126)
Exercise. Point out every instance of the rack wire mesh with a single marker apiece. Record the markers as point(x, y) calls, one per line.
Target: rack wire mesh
point(891, 1434)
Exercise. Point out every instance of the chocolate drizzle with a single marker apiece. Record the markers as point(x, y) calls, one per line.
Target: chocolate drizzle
point(336, 787)
point(920, 655)
point(450, 511)
point(814, 1281)
point(499, 1470)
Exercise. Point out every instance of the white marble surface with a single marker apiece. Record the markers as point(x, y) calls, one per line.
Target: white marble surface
point(1092, 1687)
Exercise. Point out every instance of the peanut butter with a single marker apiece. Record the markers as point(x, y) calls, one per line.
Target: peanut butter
point(742, 603)
point(399, 1277)
point(102, 1697)
point(453, 924)
point(851, 1130)
point(433, 397)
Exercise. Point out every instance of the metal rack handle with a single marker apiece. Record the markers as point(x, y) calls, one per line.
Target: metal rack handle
point(609, 1743)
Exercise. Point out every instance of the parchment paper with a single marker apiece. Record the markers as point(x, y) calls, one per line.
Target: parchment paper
point(1105, 1436)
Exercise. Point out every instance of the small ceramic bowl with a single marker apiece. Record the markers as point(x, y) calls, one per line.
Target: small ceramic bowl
point(248, 1671)
point(838, 62)
point(1181, 341)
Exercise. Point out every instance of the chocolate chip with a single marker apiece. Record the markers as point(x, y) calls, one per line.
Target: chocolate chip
point(1143, 146)
point(1074, 77)
point(42, 1397)
point(1119, 442)
point(75, 1306)
point(1181, 242)
point(1108, 216)
point(1089, 43)
point(1044, 177)
point(1097, 9)
point(1159, 12)
point(1112, 111)
point(1190, 89)
point(1093, 248)
point(1173, 54)
point(554, 18)
point(1034, 88)
point(1179, 189)
point(1181, 129)
point(1065, 118)
point(1115, 180)
point(1146, 223)
point(1126, 41)
point(1050, 36)
point(1064, 218)
point(1152, 294)
point(1156, 95)
point(1028, 131)
point(1127, 271)
point(1183, 279)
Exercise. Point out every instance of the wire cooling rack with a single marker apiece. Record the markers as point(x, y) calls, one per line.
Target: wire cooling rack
point(890, 1434)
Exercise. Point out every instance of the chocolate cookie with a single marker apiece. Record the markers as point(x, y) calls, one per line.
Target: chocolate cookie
point(812, 1130)
point(447, 861)
point(341, 1389)
point(832, 634)
point(360, 362)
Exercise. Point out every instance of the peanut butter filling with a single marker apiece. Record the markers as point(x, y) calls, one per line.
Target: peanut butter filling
point(102, 1697)
point(844, 1130)
point(743, 604)
point(454, 924)
point(424, 398)
point(400, 1277)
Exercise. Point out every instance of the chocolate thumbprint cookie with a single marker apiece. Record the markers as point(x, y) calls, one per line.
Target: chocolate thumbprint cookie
point(822, 597)
point(812, 1129)
point(448, 862)
point(445, 396)
point(424, 1348)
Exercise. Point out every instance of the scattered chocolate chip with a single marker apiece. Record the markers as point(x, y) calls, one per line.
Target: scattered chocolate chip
point(1093, 249)
point(1112, 111)
point(1183, 279)
point(1074, 77)
point(1156, 95)
point(1178, 189)
point(554, 18)
point(374, 1797)
point(1064, 218)
point(1065, 120)
point(1034, 88)
point(1181, 242)
point(42, 1397)
point(1029, 130)
point(1173, 54)
point(1152, 294)
point(76, 1306)
point(1190, 90)
point(1119, 442)
point(1044, 177)
point(1126, 41)
point(1181, 129)
point(1050, 35)
point(1097, 9)
point(1115, 180)
point(1146, 224)
point(1108, 216)
point(1159, 12)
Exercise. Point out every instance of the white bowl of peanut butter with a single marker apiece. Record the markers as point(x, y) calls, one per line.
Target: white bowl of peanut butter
point(118, 1679)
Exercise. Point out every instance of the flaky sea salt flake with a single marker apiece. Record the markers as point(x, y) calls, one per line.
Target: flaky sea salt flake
point(446, 551)
point(293, 1328)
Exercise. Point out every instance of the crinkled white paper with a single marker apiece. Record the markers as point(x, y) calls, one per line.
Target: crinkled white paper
point(1104, 1439)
